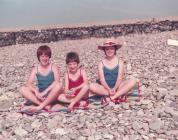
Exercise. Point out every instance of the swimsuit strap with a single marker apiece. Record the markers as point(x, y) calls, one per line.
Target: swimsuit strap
point(105, 66)
point(102, 62)
point(80, 72)
point(68, 75)
point(78, 76)
point(51, 67)
point(37, 68)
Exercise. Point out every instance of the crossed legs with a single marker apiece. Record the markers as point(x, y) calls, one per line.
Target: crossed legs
point(83, 94)
point(123, 89)
point(52, 96)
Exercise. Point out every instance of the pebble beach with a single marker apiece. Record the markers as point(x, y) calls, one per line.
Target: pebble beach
point(147, 57)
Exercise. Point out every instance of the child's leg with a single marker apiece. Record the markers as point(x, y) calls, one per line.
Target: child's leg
point(64, 99)
point(124, 88)
point(53, 94)
point(98, 89)
point(29, 95)
point(56, 107)
point(83, 93)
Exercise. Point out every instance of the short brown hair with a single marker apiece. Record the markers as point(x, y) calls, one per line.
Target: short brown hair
point(72, 57)
point(44, 49)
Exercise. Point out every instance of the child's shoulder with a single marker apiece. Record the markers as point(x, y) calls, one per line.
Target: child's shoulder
point(120, 60)
point(34, 68)
point(101, 62)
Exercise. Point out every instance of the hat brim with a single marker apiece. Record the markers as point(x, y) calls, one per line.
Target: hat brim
point(117, 46)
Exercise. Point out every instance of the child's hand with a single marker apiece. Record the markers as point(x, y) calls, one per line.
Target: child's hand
point(73, 89)
point(39, 96)
point(112, 91)
point(70, 93)
point(44, 94)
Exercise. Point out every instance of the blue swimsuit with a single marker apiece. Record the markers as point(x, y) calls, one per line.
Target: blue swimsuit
point(111, 75)
point(44, 81)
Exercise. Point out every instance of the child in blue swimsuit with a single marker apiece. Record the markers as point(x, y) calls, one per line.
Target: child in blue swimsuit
point(111, 72)
point(48, 85)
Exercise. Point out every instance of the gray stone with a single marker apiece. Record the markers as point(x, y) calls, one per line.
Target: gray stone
point(5, 105)
point(91, 138)
point(126, 138)
point(136, 126)
point(156, 125)
point(20, 132)
point(81, 138)
point(98, 137)
point(140, 113)
point(52, 123)
point(145, 137)
point(73, 136)
point(108, 136)
point(134, 137)
point(145, 102)
point(41, 134)
point(171, 111)
point(174, 92)
point(36, 124)
point(59, 131)
point(64, 138)
point(172, 132)
point(126, 105)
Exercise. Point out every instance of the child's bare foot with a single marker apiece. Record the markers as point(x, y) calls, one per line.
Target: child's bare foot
point(56, 107)
point(48, 107)
point(69, 95)
point(71, 106)
point(35, 108)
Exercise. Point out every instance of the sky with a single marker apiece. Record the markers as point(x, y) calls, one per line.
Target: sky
point(18, 13)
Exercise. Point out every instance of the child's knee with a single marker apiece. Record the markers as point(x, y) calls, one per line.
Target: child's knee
point(59, 97)
point(86, 87)
point(58, 86)
point(133, 81)
point(92, 86)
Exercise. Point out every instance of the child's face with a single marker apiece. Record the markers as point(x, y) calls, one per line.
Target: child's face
point(44, 59)
point(110, 51)
point(72, 66)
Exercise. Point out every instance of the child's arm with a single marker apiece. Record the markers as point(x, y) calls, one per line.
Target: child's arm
point(56, 73)
point(68, 93)
point(31, 80)
point(66, 83)
point(56, 78)
point(101, 77)
point(120, 75)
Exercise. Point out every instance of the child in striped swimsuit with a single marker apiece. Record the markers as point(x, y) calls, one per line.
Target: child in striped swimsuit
point(76, 83)
point(111, 71)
